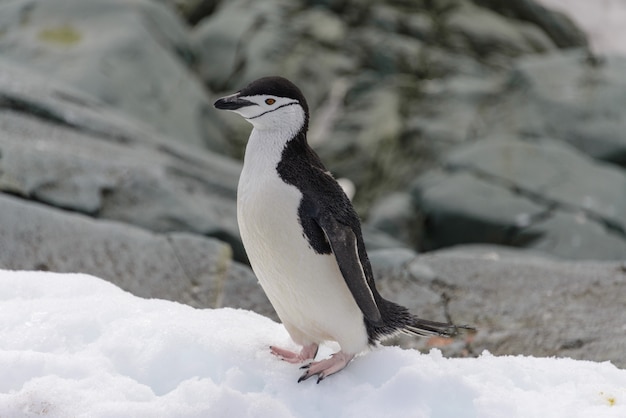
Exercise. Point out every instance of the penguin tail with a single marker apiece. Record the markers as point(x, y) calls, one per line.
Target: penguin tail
point(397, 319)
point(425, 328)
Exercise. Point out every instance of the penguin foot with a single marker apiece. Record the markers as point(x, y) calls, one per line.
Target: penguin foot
point(324, 368)
point(308, 352)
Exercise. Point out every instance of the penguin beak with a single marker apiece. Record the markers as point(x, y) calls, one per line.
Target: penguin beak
point(232, 102)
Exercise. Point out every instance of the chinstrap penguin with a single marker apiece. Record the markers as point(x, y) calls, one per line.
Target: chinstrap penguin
point(303, 237)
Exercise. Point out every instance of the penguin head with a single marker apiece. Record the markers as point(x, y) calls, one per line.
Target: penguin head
point(269, 103)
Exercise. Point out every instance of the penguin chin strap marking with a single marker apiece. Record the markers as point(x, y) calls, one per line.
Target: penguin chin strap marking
point(271, 110)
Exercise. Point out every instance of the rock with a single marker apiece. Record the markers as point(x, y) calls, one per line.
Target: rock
point(193, 11)
point(376, 239)
point(141, 67)
point(395, 215)
point(560, 28)
point(521, 302)
point(460, 208)
point(241, 41)
point(551, 172)
point(542, 195)
point(389, 261)
point(387, 53)
point(400, 279)
point(414, 22)
point(487, 33)
point(452, 110)
point(322, 26)
point(567, 96)
point(370, 126)
point(531, 305)
point(177, 266)
point(63, 149)
point(563, 234)
point(242, 290)
point(448, 114)
point(317, 68)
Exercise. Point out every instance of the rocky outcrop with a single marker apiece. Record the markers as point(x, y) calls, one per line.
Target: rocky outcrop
point(65, 149)
point(574, 97)
point(134, 57)
point(176, 266)
point(544, 165)
point(543, 195)
point(520, 302)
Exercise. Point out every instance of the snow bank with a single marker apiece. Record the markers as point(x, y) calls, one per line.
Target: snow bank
point(76, 346)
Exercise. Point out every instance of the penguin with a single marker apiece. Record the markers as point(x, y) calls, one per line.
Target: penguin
point(303, 237)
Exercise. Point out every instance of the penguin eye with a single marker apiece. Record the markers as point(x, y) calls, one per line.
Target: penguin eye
point(270, 101)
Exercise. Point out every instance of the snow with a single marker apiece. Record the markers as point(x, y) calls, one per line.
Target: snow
point(74, 345)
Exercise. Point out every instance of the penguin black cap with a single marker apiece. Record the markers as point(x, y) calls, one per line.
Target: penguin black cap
point(274, 86)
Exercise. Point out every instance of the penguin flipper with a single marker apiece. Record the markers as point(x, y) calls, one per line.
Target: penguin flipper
point(343, 243)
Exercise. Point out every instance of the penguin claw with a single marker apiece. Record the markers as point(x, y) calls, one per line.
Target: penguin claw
point(324, 368)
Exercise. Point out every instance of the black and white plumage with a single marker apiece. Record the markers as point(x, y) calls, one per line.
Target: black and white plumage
point(303, 237)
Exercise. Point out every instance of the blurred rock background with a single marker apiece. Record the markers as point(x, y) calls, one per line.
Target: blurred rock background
point(476, 124)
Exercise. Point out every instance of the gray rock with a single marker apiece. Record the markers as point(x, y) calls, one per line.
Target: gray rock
point(369, 128)
point(401, 280)
point(448, 114)
point(461, 208)
point(390, 261)
point(395, 215)
point(486, 32)
point(414, 22)
point(542, 195)
point(565, 234)
point(316, 68)
point(376, 239)
point(452, 110)
point(140, 67)
point(242, 40)
point(242, 290)
point(569, 96)
point(177, 266)
point(560, 28)
point(322, 26)
point(160, 187)
point(192, 11)
point(386, 53)
point(551, 172)
point(528, 304)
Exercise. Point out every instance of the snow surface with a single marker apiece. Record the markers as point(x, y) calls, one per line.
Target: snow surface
point(73, 345)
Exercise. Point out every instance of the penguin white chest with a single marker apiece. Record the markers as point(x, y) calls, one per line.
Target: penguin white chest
point(306, 289)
